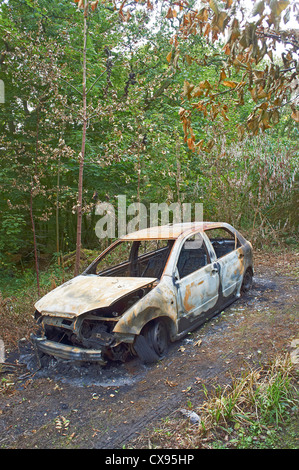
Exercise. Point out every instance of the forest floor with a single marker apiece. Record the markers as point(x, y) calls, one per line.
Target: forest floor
point(115, 407)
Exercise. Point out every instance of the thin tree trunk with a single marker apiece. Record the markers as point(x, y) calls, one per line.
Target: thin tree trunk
point(178, 169)
point(57, 215)
point(138, 174)
point(34, 240)
point(31, 207)
point(81, 156)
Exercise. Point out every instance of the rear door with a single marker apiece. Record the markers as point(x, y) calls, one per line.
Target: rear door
point(230, 260)
point(197, 281)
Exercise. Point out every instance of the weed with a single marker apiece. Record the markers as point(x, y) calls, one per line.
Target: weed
point(246, 414)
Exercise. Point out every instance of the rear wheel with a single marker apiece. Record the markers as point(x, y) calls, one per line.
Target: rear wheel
point(247, 281)
point(152, 344)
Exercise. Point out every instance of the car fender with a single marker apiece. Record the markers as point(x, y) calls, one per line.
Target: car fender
point(160, 302)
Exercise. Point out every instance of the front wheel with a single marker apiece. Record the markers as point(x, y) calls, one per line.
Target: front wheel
point(152, 344)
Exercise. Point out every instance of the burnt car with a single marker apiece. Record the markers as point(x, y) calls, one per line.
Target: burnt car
point(149, 288)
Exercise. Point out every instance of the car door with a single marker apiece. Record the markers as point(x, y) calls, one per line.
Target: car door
point(229, 255)
point(197, 282)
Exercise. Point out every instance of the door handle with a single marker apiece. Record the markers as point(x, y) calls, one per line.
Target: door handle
point(214, 270)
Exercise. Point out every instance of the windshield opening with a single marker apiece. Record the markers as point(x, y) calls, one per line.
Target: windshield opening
point(139, 258)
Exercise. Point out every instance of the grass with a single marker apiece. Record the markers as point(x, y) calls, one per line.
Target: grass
point(18, 294)
point(252, 412)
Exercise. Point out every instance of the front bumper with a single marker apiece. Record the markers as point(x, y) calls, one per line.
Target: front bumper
point(70, 353)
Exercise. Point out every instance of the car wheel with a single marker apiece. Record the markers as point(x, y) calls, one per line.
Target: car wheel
point(247, 281)
point(157, 337)
point(152, 344)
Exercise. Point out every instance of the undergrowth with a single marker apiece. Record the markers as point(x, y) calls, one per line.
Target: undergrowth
point(249, 413)
point(18, 294)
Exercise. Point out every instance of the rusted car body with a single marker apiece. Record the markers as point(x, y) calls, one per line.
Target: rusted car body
point(149, 288)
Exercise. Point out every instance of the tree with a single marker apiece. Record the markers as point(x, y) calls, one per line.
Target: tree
point(26, 128)
point(250, 64)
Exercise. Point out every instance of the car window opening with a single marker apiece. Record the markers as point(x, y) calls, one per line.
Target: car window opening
point(193, 256)
point(223, 241)
point(142, 258)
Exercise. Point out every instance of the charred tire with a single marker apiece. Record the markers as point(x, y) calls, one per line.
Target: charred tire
point(247, 281)
point(152, 344)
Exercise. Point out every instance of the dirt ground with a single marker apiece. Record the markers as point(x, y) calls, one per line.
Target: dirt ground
point(89, 407)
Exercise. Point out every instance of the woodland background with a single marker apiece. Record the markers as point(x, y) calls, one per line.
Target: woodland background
point(155, 131)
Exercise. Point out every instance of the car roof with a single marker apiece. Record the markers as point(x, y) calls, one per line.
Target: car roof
point(173, 231)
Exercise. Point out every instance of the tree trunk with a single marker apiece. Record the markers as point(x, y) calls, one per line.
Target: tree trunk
point(81, 156)
point(57, 215)
point(34, 240)
point(31, 204)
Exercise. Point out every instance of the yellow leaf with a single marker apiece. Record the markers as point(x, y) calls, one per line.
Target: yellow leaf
point(226, 49)
point(222, 20)
point(168, 58)
point(265, 120)
point(229, 84)
point(169, 13)
point(94, 5)
point(188, 87)
point(197, 92)
point(188, 59)
point(222, 75)
point(253, 92)
point(205, 85)
point(224, 115)
point(258, 8)
point(241, 131)
point(275, 116)
point(149, 5)
point(199, 144)
point(214, 6)
point(234, 31)
point(263, 106)
point(261, 93)
point(210, 145)
point(190, 143)
point(207, 29)
point(295, 115)
point(279, 6)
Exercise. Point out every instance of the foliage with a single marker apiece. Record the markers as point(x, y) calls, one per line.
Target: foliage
point(144, 72)
point(248, 184)
point(250, 64)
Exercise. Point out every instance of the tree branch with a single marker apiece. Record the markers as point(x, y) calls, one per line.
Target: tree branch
point(78, 91)
point(97, 79)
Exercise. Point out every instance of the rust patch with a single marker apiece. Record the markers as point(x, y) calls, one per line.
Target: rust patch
point(187, 304)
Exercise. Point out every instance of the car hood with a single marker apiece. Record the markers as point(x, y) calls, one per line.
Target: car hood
point(88, 292)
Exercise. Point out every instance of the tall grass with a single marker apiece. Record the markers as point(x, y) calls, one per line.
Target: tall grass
point(242, 413)
point(261, 396)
